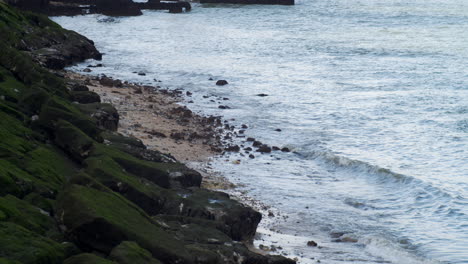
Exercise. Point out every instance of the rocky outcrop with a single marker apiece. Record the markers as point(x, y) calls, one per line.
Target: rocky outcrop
point(250, 2)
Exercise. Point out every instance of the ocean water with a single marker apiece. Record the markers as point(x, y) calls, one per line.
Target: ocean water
point(371, 96)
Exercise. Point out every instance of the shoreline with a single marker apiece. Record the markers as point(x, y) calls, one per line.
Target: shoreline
point(157, 118)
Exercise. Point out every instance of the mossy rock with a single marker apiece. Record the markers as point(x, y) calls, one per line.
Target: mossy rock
point(57, 108)
point(105, 115)
point(87, 258)
point(140, 191)
point(85, 97)
point(162, 173)
point(8, 261)
point(72, 140)
point(19, 244)
point(32, 100)
point(101, 220)
point(155, 172)
point(26, 215)
point(129, 252)
point(135, 147)
point(242, 221)
point(41, 202)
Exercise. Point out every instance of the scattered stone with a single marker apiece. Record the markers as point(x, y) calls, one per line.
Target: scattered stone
point(251, 156)
point(234, 148)
point(224, 107)
point(225, 98)
point(250, 139)
point(262, 95)
point(221, 82)
point(244, 126)
point(210, 79)
point(275, 148)
point(311, 243)
point(248, 149)
point(178, 135)
point(285, 149)
point(278, 130)
point(188, 93)
point(87, 70)
point(256, 143)
point(271, 214)
point(141, 73)
point(95, 66)
point(264, 149)
point(156, 133)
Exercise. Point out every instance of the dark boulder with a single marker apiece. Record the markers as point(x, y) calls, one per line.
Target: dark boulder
point(264, 149)
point(85, 97)
point(221, 82)
point(105, 115)
point(100, 220)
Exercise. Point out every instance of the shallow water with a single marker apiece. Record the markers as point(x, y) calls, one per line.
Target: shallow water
point(371, 95)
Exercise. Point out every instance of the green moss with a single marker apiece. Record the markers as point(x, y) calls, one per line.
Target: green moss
point(87, 258)
point(19, 244)
point(40, 202)
point(13, 180)
point(101, 220)
point(72, 140)
point(26, 215)
point(129, 252)
point(57, 108)
point(147, 195)
point(8, 261)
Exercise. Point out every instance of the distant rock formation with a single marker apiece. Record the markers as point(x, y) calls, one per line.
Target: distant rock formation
point(249, 2)
point(105, 7)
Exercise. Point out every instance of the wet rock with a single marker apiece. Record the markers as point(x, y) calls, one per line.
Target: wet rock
point(244, 126)
point(311, 243)
point(278, 130)
point(285, 149)
point(256, 143)
point(85, 97)
point(224, 107)
point(251, 156)
point(141, 73)
point(264, 149)
point(250, 139)
point(221, 82)
point(262, 95)
point(95, 66)
point(275, 148)
point(234, 148)
point(87, 70)
point(248, 149)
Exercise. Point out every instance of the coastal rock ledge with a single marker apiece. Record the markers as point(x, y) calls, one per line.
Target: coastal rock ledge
point(73, 190)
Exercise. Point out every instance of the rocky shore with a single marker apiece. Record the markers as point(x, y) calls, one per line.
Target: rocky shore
point(74, 190)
